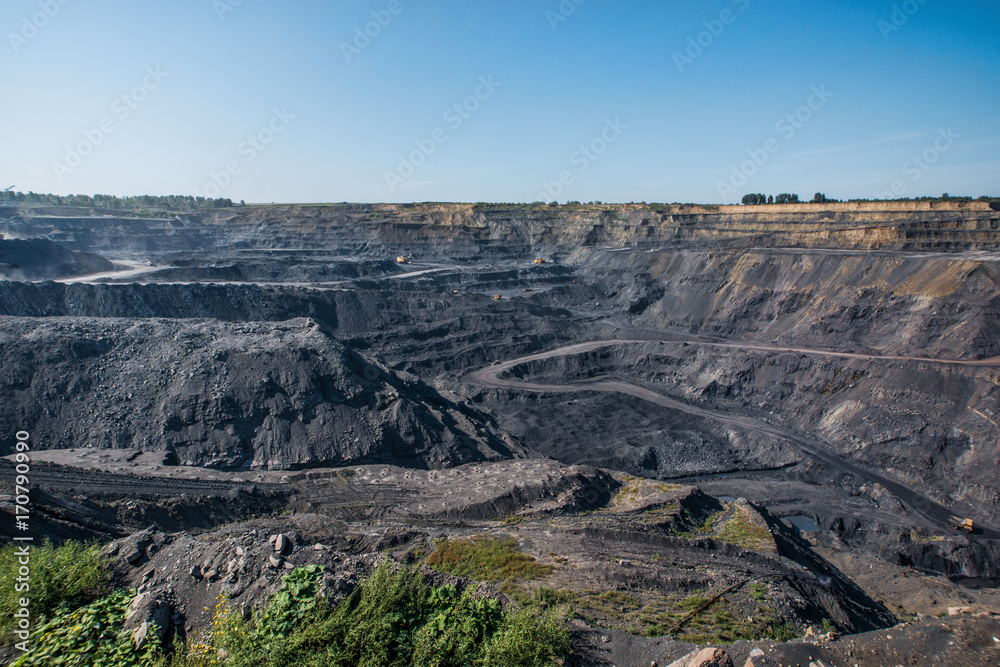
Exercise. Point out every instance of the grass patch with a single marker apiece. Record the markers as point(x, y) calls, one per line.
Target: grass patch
point(657, 615)
point(485, 558)
point(739, 529)
point(634, 488)
point(697, 530)
point(743, 532)
point(62, 579)
point(660, 514)
point(709, 524)
point(549, 597)
point(692, 602)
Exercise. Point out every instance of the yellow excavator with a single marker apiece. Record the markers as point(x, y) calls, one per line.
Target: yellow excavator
point(541, 260)
point(402, 260)
point(958, 523)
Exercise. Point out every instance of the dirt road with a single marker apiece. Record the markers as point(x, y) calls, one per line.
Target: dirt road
point(937, 514)
point(137, 269)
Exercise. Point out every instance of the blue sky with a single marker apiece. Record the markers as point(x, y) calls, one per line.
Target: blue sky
point(613, 101)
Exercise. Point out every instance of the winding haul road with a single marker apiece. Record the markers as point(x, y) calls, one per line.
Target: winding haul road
point(136, 269)
point(934, 512)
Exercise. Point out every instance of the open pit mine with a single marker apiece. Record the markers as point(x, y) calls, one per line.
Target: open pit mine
point(768, 430)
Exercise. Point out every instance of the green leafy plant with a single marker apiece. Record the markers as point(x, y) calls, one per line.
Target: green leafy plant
point(298, 597)
point(91, 636)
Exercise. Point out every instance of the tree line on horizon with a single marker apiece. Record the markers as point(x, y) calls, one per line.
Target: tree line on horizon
point(820, 198)
point(758, 199)
point(174, 202)
point(187, 202)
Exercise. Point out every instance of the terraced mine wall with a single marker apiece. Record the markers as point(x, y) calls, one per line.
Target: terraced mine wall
point(908, 280)
point(482, 231)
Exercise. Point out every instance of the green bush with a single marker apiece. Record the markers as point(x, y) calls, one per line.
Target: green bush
point(62, 578)
point(393, 619)
point(527, 639)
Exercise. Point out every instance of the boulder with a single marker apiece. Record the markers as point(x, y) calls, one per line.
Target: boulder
point(148, 614)
point(141, 636)
point(133, 555)
point(759, 659)
point(708, 657)
point(711, 657)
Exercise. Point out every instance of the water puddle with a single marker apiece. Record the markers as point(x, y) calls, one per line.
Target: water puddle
point(802, 523)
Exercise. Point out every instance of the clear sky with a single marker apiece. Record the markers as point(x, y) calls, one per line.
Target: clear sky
point(605, 100)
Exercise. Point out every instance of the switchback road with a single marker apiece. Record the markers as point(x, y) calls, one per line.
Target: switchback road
point(925, 507)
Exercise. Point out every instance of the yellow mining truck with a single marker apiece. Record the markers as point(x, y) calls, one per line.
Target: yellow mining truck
point(541, 261)
point(958, 523)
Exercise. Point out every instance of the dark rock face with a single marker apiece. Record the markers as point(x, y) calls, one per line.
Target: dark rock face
point(231, 396)
point(41, 258)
